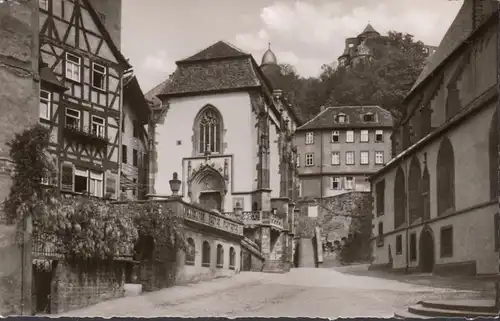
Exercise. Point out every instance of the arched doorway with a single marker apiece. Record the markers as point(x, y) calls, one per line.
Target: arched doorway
point(426, 250)
point(208, 189)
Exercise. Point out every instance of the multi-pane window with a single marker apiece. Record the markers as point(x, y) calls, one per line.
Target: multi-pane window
point(335, 136)
point(309, 138)
point(364, 136)
point(379, 158)
point(447, 241)
point(349, 136)
point(349, 182)
point(297, 160)
point(96, 184)
point(379, 135)
point(43, 4)
point(210, 132)
point(335, 158)
point(72, 118)
point(45, 109)
point(124, 154)
point(98, 126)
point(135, 158)
point(336, 183)
point(368, 117)
point(364, 157)
point(349, 158)
point(341, 119)
point(98, 76)
point(310, 159)
point(73, 66)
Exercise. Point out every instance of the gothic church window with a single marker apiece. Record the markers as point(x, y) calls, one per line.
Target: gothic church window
point(209, 129)
point(414, 190)
point(445, 177)
point(399, 199)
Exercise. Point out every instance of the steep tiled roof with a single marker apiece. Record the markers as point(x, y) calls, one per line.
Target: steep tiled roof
point(218, 50)
point(158, 89)
point(206, 76)
point(48, 76)
point(326, 118)
point(460, 29)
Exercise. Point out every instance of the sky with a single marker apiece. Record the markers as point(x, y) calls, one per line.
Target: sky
point(303, 33)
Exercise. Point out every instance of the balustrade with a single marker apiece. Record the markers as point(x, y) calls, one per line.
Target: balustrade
point(194, 214)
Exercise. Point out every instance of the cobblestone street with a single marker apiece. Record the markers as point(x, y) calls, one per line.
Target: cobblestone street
point(302, 292)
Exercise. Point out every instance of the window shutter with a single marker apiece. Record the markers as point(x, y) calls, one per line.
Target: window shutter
point(111, 185)
point(67, 177)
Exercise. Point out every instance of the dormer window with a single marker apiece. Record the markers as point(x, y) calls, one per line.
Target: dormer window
point(368, 117)
point(341, 119)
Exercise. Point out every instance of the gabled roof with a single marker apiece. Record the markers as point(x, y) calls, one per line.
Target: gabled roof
point(326, 118)
point(158, 89)
point(218, 50)
point(107, 37)
point(132, 91)
point(369, 29)
point(459, 30)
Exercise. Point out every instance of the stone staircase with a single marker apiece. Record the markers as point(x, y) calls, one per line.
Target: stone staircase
point(450, 309)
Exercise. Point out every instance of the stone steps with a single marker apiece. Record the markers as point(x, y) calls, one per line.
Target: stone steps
point(450, 308)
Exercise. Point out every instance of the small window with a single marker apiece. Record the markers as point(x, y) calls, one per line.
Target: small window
point(220, 256)
point(43, 4)
point(349, 183)
point(335, 158)
point(72, 118)
point(364, 157)
point(341, 119)
point(190, 252)
point(81, 180)
point(123, 123)
point(73, 65)
point(124, 154)
point(310, 159)
point(447, 241)
point(98, 126)
point(135, 157)
point(349, 136)
point(312, 211)
point(349, 158)
point(379, 136)
point(335, 136)
point(379, 158)
point(413, 247)
point(232, 258)
point(298, 160)
point(45, 105)
point(399, 245)
point(96, 184)
point(380, 228)
point(380, 197)
point(205, 255)
point(98, 76)
point(364, 136)
point(368, 118)
point(309, 138)
point(67, 177)
point(336, 183)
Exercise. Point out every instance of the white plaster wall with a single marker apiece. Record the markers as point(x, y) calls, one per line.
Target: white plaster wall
point(239, 122)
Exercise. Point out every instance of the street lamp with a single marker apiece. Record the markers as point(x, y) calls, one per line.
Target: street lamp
point(175, 184)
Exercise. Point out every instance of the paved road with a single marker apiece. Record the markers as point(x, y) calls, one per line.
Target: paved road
point(301, 292)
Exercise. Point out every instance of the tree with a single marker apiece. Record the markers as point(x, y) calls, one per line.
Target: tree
point(397, 60)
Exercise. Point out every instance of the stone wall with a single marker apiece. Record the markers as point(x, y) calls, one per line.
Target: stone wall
point(19, 109)
point(333, 222)
point(79, 285)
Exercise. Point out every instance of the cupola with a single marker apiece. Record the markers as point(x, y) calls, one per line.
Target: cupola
point(269, 58)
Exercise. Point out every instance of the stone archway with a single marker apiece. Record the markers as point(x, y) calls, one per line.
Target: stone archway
point(208, 189)
point(427, 250)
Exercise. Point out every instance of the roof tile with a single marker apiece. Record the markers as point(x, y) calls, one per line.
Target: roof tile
point(218, 50)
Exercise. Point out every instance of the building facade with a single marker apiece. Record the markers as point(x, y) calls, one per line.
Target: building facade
point(134, 163)
point(340, 147)
point(435, 202)
point(227, 132)
point(359, 49)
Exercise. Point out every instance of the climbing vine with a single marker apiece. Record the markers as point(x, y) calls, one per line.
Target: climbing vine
point(81, 228)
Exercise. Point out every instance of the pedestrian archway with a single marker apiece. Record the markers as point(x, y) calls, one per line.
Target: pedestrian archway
point(426, 250)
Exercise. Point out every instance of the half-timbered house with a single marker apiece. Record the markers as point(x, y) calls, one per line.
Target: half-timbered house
point(81, 96)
